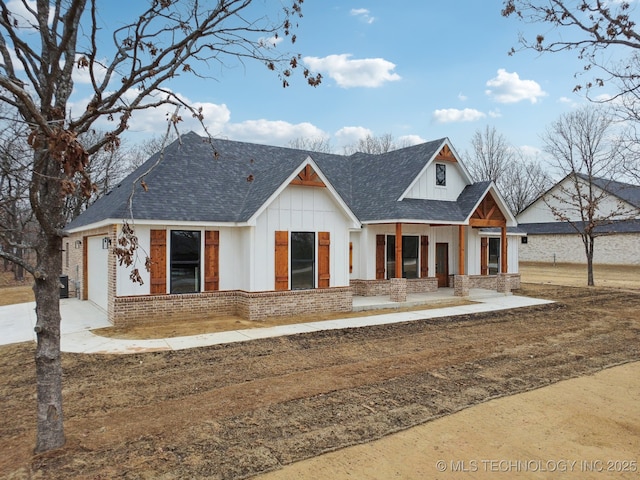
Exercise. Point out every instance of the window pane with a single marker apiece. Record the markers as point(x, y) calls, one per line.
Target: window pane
point(185, 279)
point(302, 260)
point(185, 261)
point(410, 257)
point(391, 256)
point(441, 174)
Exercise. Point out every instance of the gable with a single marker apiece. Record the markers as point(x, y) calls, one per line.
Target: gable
point(612, 202)
point(443, 178)
point(307, 175)
point(488, 213)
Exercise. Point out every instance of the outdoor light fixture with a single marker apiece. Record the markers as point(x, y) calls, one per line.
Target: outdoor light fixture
point(78, 243)
point(106, 243)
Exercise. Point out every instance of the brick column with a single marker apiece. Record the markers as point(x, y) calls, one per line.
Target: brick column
point(504, 283)
point(398, 289)
point(461, 285)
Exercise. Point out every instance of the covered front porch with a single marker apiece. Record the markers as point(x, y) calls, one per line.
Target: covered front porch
point(442, 296)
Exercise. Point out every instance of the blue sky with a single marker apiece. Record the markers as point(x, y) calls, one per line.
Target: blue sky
point(420, 70)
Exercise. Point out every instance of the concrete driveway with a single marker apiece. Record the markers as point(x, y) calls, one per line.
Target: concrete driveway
point(79, 317)
point(17, 321)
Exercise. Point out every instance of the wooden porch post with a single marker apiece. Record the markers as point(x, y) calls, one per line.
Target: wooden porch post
point(461, 250)
point(503, 249)
point(398, 250)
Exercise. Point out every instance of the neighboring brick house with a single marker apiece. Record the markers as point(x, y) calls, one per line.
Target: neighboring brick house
point(550, 240)
point(258, 231)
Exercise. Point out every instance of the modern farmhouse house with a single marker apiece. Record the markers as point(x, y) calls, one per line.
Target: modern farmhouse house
point(259, 231)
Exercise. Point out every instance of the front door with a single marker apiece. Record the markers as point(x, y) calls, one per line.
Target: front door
point(494, 256)
point(442, 264)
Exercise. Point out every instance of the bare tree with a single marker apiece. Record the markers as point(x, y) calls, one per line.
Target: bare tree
point(375, 145)
point(589, 28)
point(518, 179)
point(41, 47)
point(522, 182)
point(492, 154)
point(586, 151)
point(318, 144)
point(15, 214)
point(106, 168)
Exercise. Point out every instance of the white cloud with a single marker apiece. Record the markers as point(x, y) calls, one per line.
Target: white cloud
point(451, 115)
point(530, 152)
point(495, 113)
point(509, 88)
point(462, 97)
point(363, 14)
point(271, 132)
point(367, 72)
point(270, 42)
point(22, 17)
point(351, 135)
point(154, 120)
point(408, 140)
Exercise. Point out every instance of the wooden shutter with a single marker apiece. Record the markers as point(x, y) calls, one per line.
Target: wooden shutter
point(350, 257)
point(211, 261)
point(424, 256)
point(484, 256)
point(158, 256)
point(282, 260)
point(324, 265)
point(380, 247)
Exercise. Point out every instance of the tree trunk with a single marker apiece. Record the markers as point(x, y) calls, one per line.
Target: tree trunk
point(590, 282)
point(50, 429)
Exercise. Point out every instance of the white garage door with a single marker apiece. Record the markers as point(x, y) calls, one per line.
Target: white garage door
point(97, 272)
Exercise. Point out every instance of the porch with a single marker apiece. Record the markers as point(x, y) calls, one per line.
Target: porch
point(441, 296)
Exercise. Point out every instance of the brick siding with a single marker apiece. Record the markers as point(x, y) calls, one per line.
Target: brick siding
point(248, 305)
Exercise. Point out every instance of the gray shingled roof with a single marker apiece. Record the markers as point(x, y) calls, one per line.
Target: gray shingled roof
point(228, 181)
point(625, 191)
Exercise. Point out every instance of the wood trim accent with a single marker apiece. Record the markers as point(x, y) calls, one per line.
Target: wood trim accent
point(484, 256)
point(211, 261)
point(503, 248)
point(424, 256)
point(446, 155)
point(282, 260)
point(398, 250)
point(158, 256)
point(324, 264)
point(380, 254)
point(487, 214)
point(478, 222)
point(461, 249)
point(308, 178)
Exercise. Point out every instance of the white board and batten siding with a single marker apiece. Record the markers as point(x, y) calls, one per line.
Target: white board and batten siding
point(425, 186)
point(300, 209)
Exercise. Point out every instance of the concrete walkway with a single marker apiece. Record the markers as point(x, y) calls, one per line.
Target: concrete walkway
point(79, 317)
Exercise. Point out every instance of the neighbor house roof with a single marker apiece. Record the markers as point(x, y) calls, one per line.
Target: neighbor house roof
point(625, 191)
point(558, 228)
point(224, 181)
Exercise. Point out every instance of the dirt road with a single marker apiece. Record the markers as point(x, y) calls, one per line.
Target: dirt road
point(237, 410)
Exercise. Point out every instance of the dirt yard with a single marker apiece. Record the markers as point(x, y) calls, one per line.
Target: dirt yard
point(237, 410)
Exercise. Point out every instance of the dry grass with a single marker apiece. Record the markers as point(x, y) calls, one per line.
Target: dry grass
point(575, 275)
point(12, 291)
